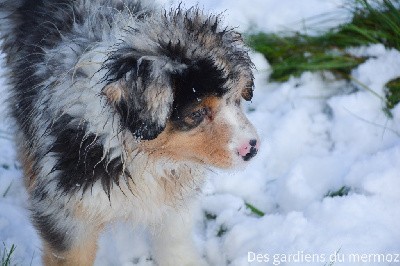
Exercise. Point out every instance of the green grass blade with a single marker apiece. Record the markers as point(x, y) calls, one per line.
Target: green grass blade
point(254, 210)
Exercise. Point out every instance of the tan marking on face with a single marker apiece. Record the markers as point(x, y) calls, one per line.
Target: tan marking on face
point(205, 144)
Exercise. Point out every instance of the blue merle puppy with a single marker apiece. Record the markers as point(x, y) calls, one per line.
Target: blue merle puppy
point(120, 109)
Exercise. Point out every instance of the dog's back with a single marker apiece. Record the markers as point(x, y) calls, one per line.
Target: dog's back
point(120, 108)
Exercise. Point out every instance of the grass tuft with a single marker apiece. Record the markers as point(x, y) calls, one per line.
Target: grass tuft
point(291, 53)
point(332, 262)
point(6, 255)
point(393, 93)
point(7, 190)
point(254, 210)
point(343, 191)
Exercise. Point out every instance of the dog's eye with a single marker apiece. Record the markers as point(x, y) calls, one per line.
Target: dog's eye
point(199, 114)
point(191, 119)
point(196, 117)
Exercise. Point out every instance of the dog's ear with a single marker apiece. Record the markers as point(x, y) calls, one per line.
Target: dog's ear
point(144, 97)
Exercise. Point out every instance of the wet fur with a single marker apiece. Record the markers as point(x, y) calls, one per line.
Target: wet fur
point(120, 109)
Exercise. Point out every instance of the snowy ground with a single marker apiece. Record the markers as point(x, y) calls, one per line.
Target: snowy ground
point(318, 135)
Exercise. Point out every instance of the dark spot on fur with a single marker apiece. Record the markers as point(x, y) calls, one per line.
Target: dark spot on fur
point(175, 51)
point(199, 80)
point(47, 226)
point(130, 119)
point(81, 159)
point(144, 72)
point(43, 195)
point(136, 77)
point(42, 26)
point(119, 63)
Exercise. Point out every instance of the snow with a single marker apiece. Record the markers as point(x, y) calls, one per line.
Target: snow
point(318, 135)
point(270, 15)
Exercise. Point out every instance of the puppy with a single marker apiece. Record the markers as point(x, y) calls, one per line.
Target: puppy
point(120, 109)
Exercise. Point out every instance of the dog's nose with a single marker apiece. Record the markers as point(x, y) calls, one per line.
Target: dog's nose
point(249, 149)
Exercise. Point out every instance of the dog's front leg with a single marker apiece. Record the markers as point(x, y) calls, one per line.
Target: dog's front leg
point(173, 242)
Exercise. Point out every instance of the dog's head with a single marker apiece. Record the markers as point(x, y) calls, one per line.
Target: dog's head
point(177, 81)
